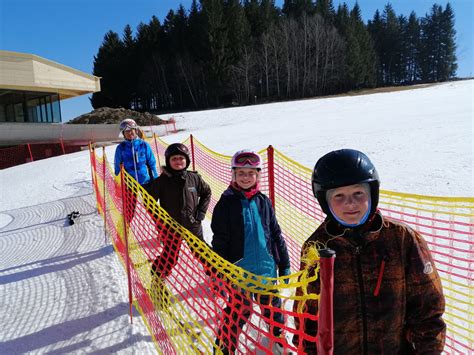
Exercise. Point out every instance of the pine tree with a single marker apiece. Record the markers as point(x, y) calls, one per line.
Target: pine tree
point(238, 29)
point(430, 44)
point(217, 42)
point(376, 30)
point(448, 66)
point(341, 21)
point(325, 8)
point(412, 46)
point(296, 8)
point(129, 68)
point(363, 65)
point(108, 65)
point(152, 92)
point(391, 46)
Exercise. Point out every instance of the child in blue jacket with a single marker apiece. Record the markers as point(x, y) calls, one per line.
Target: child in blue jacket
point(247, 234)
point(135, 154)
point(137, 158)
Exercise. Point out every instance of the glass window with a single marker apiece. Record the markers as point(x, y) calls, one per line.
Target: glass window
point(56, 108)
point(32, 108)
point(44, 118)
point(3, 116)
point(10, 113)
point(19, 113)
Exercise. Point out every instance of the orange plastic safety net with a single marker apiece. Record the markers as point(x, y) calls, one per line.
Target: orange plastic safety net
point(193, 301)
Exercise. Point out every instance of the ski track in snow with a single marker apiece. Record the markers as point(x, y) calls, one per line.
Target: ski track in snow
point(62, 286)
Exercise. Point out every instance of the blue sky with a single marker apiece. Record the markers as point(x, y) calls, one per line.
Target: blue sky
point(70, 32)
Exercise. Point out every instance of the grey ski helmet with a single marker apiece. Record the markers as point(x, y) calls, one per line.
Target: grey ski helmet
point(343, 168)
point(177, 149)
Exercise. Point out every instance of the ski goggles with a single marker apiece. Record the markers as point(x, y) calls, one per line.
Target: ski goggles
point(247, 159)
point(128, 125)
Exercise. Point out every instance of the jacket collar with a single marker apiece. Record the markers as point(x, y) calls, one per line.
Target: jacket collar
point(360, 234)
point(173, 173)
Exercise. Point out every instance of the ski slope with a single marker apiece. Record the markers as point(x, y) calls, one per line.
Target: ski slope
point(63, 288)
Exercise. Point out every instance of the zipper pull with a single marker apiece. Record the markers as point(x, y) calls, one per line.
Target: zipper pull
point(357, 250)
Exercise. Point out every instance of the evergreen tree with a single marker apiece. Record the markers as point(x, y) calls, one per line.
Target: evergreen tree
point(437, 57)
point(238, 29)
point(401, 71)
point(412, 47)
point(296, 8)
point(361, 53)
point(391, 46)
point(376, 30)
point(325, 9)
point(217, 66)
point(448, 66)
point(341, 21)
point(129, 68)
point(152, 92)
point(108, 65)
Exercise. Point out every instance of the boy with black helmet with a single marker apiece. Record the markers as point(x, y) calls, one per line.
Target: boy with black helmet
point(387, 293)
point(184, 195)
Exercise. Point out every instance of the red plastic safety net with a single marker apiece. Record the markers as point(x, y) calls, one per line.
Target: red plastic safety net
point(193, 301)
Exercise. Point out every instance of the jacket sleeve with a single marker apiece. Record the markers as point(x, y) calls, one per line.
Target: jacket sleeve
point(204, 199)
point(151, 161)
point(220, 226)
point(278, 242)
point(426, 329)
point(154, 188)
point(117, 159)
point(305, 313)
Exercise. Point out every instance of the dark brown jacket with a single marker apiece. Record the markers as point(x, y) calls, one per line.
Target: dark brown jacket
point(185, 196)
point(404, 316)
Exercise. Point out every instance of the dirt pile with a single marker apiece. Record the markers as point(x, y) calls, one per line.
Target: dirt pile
point(107, 115)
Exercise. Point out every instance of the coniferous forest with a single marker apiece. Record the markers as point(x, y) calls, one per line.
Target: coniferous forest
point(233, 52)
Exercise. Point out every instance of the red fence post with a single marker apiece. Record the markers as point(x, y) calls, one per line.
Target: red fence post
point(192, 151)
point(325, 343)
point(105, 196)
point(127, 257)
point(62, 146)
point(93, 172)
point(156, 148)
point(31, 154)
point(271, 174)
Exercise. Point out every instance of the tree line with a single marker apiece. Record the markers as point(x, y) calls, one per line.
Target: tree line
point(234, 52)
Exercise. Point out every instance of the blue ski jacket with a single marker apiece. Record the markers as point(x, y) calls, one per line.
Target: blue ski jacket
point(247, 233)
point(136, 154)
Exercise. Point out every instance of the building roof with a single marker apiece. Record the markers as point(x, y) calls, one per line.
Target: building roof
point(29, 72)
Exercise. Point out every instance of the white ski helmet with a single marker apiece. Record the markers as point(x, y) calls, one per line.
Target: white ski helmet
point(246, 159)
point(127, 123)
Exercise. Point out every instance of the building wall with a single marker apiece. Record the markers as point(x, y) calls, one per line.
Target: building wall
point(21, 133)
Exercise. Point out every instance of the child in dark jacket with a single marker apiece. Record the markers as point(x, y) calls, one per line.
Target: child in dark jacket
point(387, 292)
point(185, 196)
point(247, 234)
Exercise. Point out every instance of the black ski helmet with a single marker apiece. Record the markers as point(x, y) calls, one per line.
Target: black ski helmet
point(343, 168)
point(177, 149)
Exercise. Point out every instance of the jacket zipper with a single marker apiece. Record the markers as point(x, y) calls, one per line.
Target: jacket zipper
point(379, 279)
point(362, 300)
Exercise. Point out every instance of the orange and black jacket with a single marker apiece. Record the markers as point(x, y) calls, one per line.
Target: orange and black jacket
point(388, 297)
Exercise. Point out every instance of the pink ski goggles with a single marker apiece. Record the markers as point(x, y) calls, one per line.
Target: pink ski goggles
point(247, 159)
